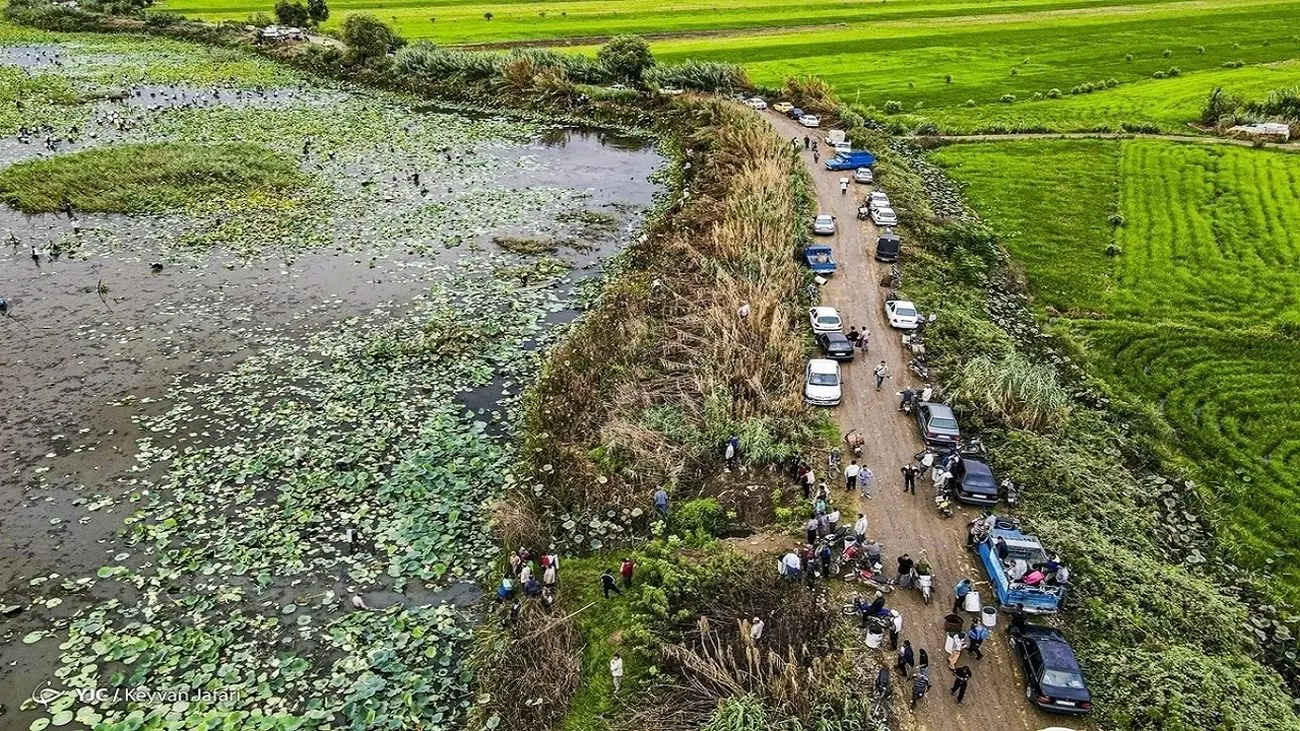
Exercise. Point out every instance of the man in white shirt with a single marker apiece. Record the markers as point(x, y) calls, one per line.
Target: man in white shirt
point(616, 671)
point(860, 527)
point(851, 475)
point(756, 629)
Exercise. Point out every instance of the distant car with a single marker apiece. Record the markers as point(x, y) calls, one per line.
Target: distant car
point(756, 103)
point(902, 314)
point(672, 91)
point(938, 424)
point(822, 386)
point(841, 146)
point(884, 216)
point(878, 199)
point(810, 120)
point(888, 246)
point(973, 481)
point(1054, 681)
point(782, 107)
point(825, 320)
point(617, 87)
point(824, 225)
point(836, 346)
point(794, 113)
point(819, 258)
point(863, 175)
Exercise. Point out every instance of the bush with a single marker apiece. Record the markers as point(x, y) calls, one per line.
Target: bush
point(1007, 98)
point(1168, 53)
point(1283, 103)
point(1128, 58)
point(698, 75)
point(926, 129)
point(1233, 64)
point(1112, 83)
point(368, 38)
point(947, 78)
point(290, 12)
point(970, 102)
point(1158, 75)
point(318, 11)
point(1038, 95)
point(1218, 106)
point(1173, 71)
point(893, 107)
point(701, 518)
point(260, 19)
point(1053, 93)
point(1200, 49)
point(1116, 219)
point(626, 57)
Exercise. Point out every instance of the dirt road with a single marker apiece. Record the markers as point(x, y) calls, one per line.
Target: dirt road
point(907, 523)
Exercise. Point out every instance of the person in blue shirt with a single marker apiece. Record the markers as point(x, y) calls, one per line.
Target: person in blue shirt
point(976, 636)
point(959, 593)
point(661, 501)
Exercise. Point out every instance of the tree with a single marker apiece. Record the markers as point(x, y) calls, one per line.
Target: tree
point(626, 57)
point(318, 11)
point(292, 13)
point(368, 38)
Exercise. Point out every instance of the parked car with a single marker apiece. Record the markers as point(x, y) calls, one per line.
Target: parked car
point(863, 175)
point(822, 386)
point(819, 258)
point(883, 216)
point(938, 424)
point(1054, 681)
point(973, 481)
point(1023, 552)
point(756, 103)
point(824, 225)
point(878, 199)
point(835, 346)
point(841, 147)
point(902, 314)
point(888, 246)
point(782, 107)
point(810, 120)
point(825, 320)
point(672, 91)
point(851, 160)
point(794, 113)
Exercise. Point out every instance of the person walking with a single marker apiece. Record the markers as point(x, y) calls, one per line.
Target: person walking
point(866, 480)
point(549, 577)
point(851, 475)
point(920, 685)
point(810, 529)
point(906, 659)
point(961, 678)
point(905, 568)
point(895, 627)
point(816, 157)
point(824, 556)
point(661, 502)
point(954, 646)
point(881, 372)
point(607, 583)
point(860, 528)
point(806, 142)
point(616, 671)
point(959, 593)
point(625, 570)
point(729, 456)
point(809, 479)
point(975, 637)
point(910, 472)
point(756, 629)
point(844, 186)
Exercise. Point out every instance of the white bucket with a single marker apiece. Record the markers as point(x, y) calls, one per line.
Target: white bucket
point(973, 603)
point(989, 617)
point(875, 637)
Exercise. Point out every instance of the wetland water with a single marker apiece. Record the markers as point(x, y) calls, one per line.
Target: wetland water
point(201, 405)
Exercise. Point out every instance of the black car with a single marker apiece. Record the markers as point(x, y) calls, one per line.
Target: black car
point(887, 247)
point(938, 424)
point(1054, 681)
point(794, 113)
point(835, 346)
point(973, 482)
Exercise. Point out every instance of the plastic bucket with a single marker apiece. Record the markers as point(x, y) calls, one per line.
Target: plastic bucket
point(989, 616)
point(973, 603)
point(875, 637)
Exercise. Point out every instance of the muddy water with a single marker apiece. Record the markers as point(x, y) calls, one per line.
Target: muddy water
point(97, 335)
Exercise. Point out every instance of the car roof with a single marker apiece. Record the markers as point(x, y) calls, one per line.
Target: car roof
point(824, 215)
point(879, 194)
point(884, 209)
point(823, 365)
point(938, 409)
point(824, 310)
point(834, 337)
point(1055, 651)
point(901, 303)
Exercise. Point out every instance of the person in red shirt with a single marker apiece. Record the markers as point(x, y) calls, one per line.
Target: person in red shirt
point(625, 570)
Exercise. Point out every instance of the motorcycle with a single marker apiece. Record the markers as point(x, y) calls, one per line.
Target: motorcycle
point(872, 576)
point(943, 503)
point(1010, 493)
point(925, 585)
point(917, 366)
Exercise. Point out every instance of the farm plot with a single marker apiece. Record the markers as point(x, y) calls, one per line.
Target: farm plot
point(1197, 314)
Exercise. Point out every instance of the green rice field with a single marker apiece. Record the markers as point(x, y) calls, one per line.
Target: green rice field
point(1200, 312)
point(942, 61)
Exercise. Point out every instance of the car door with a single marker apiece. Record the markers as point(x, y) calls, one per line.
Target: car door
point(1033, 667)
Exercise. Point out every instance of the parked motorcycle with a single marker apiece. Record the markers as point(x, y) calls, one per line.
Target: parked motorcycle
point(925, 585)
point(943, 503)
point(1010, 493)
point(917, 366)
point(872, 576)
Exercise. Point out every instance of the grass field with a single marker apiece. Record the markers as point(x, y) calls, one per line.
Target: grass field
point(1198, 315)
point(939, 54)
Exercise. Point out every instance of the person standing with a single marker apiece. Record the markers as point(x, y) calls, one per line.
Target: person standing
point(729, 455)
point(616, 671)
point(866, 480)
point(806, 142)
point(975, 637)
point(905, 568)
point(881, 373)
point(895, 627)
point(909, 477)
point(661, 502)
point(1019, 618)
point(756, 629)
point(809, 479)
point(816, 157)
point(906, 659)
point(824, 555)
point(625, 570)
point(844, 186)
point(962, 677)
point(920, 685)
point(607, 583)
point(959, 593)
point(832, 521)
point(954, 646)
point(851, 475)
point(860, 528)
point(549, 577)
point(811, 530)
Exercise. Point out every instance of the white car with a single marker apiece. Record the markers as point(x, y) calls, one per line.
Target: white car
point(841, 146)
point(824, 225)
point(810, 120)
point(825, 320)
point(756, 103)
point(902, 314)
point(822, 385)
point(782, 107)
point(884, 216)
point(877, 199)
point(864, 175)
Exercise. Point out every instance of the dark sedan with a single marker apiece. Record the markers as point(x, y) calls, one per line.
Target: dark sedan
point(835, 346)
point(938, 424)
point(1054, 681)
point(973, 482)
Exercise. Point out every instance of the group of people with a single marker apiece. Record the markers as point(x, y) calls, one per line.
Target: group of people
point(915, 664)
point(524, 573)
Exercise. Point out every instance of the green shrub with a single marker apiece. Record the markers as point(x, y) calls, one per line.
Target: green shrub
point(893, 107)
point(1038, 95)
point(627, 57)
point(699, 518)
point(1053, 93)
point(1233, 64)
point(289, 12)
point(1128, 58)
point(1007, 98)
point(367, 38)
point(926, 128)
point(1158, 75)
point(1168, 53)
point(970, 102)
point(1173, 71)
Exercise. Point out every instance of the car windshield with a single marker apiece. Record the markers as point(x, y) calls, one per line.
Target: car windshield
point(942, 422)
point(828, 320)
point(1062, 679)
point(823, 379)
point(905, 312)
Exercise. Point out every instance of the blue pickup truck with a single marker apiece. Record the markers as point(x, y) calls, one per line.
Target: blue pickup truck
point(1023, 554)
point(851, 160)
point(819, 258)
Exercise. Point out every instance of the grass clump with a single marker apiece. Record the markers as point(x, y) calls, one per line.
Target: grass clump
point(142, 178)
point(525, 245)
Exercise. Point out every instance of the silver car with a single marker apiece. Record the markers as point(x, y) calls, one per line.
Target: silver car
point(884, 216)
point(824, 225)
